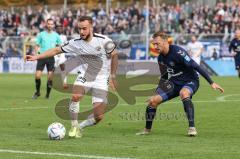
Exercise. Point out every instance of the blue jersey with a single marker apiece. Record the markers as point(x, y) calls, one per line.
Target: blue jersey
point(179, 68)
point(235, 46)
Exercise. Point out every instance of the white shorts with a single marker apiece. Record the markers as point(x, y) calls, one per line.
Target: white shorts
point(98, 88)
point(59, 59)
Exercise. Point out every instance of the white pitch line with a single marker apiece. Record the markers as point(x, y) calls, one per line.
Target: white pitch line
point(58, 154)
point(197, 101)
point(223, 98)
point(166, 103)
point(24, 108)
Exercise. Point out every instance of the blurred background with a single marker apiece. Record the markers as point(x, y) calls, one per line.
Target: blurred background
point(126, 22)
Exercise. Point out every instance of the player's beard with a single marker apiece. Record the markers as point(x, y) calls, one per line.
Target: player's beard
point(87, 37)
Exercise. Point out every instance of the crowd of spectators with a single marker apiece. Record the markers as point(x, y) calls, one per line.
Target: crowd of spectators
point(186, 18)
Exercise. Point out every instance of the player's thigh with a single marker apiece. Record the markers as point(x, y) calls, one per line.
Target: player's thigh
point(78, 92)
point(80, 88)
point(189, 89)
point(166, 92)
point(100, 91)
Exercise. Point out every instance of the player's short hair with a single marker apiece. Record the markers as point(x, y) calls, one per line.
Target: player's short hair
point(49, 19)
point(161, 35)
point(88, 18)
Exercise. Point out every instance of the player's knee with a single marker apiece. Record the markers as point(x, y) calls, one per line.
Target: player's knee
point(153, 102)
point(76, 97)
point(98, 118)
point(184, 93)
point(38, 76)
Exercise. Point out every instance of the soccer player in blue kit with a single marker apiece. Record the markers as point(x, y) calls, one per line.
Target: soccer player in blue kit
point(178, 78)
point(235, 47)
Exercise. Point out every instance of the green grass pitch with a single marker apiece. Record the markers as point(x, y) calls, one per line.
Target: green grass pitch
point(23, 125)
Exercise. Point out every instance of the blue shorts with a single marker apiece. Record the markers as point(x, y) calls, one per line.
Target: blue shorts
point(170, 90)
point(237, 61)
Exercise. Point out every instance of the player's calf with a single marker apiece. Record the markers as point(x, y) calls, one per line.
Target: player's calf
point(96, 117)
point(185, 95)
point(38, 85)
point(74, 110)
point(151, 109)
point(49, 87)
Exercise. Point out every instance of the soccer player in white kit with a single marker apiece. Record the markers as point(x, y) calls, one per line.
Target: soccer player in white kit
point(195, 49)
point(94, 76)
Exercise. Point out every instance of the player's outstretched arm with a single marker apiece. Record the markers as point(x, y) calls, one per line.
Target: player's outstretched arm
point(114, 65)
point(207, 77)
point(215, 86)
point(48, 53)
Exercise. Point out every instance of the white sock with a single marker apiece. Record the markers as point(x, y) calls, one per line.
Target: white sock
point(74, 123)
point(86, 123)
point(74, 110)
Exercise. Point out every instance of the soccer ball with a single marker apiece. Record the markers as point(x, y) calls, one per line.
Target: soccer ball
point(56, 131)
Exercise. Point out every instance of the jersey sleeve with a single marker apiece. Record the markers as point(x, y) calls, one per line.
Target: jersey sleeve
point(69, 47)
point(188, 62)
point(109, 45)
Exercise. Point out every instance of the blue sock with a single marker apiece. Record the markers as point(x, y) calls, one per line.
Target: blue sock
point(150, 114)
point(189, 109)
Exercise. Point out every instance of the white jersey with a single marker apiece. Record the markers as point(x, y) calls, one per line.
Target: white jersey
point(194, 48)
point(94, 56)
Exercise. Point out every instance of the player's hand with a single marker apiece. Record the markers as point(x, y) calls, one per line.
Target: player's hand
point(215, 86)
point(113, 83)
point(31, 57)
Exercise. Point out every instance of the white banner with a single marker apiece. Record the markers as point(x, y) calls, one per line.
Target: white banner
point(29, 66)
point(1, 65)
point(15, 65)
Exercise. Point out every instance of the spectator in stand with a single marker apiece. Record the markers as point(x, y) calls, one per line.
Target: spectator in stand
point(188, 18)
point(12, 51)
